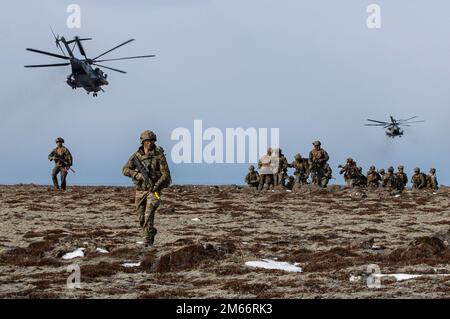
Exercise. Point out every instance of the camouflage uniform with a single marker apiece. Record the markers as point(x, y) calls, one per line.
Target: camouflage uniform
point(402, 177)
point(63, 161)
point(252, 177)
point(280, 166)
point(147, 198)
point(326, 176)
point(373, 177)
point(290, 183)
point(301, 170)
point(390, 180)
point(419, 179)
point(318, 157)
point(432, 182)
point(350, 171)
point(265, 166)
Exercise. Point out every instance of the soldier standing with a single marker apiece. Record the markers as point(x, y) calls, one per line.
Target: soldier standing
point(402, 177)
point(318, 157)
point(350, 171)
point(280, 167)
point(432, 182)
point(252, 177)
point(301, 170)
point(265, 166)
point(148, 169)
point(63, 161)
point(326, 176)
point(373, 177)
point(390, 180)
point(418, 180)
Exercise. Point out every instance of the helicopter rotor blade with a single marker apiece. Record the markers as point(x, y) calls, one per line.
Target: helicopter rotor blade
point(49, 53)
point(46, 65)
point(107, 67)
point(375, 121)
point(116, 47)
point(127, 58)
point(412, 122)
point(373, 124)
point(80, 46)
point(57, 41)
point(404, 120)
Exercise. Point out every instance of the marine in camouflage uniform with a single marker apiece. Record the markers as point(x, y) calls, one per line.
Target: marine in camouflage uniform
point(252, 177)
point(419, 179)
point(147, 198)
point(402, 177)
point(265, 166)
point(350, 171)
point(280, 166)
point(327, 174)
point(432, 182)
point(390, 181)
point(373, 177)
point(290, 183)
point(301, 170)
point(63, 161)
point(318, 157)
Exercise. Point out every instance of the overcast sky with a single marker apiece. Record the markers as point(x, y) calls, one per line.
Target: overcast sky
point(311, 68)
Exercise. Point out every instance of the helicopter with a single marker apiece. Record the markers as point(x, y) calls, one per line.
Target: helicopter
point(83, 75)
point(393, 128)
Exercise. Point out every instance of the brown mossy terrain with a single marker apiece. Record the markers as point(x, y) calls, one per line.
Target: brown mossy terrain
point(207, 233)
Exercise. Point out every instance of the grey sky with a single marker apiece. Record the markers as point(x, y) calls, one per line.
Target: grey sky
point(311, 68)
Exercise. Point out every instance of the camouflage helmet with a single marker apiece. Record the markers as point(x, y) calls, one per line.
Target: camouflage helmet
point(417, 170)
point(298, 156)
point(317, 143)
point(148, 135)
point(251, 168)
point(432, 170)
point(391, 169)
point(372, 168)
point(382, 171)
point(59, 140)
point(350, 160)
point(401, 167)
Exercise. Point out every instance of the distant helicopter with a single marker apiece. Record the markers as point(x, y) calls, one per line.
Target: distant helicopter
point(83, 74)
point(393, 128)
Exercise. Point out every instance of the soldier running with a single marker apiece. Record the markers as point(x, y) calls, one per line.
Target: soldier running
point(63, 161)
point(318, 157)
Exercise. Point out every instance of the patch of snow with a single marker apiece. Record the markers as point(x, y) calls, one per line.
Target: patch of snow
point(398, 195)
point(195, 219)
point(355, 278)
point(129, 265)
point(272, 264)
point(101, 251)
point(244, 242)
point(289, 191)
point(140, 242)
point(401, 277)
point(74, 254)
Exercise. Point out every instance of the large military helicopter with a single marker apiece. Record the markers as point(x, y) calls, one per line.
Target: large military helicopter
point(83, 74)
point(393, 128)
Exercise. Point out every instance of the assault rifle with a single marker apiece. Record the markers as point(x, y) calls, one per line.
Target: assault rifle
point(63, 160)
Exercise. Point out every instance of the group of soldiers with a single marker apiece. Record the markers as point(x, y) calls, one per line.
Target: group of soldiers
point(395, 181)
point(273, 171)
point(148, 169)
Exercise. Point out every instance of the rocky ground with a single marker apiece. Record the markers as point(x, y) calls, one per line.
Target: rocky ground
point(207, 234)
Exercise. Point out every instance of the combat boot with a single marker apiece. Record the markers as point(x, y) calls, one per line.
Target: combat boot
point(150, 238)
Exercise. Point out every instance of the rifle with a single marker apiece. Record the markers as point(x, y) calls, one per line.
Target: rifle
point(145, 174)
point(62, 160)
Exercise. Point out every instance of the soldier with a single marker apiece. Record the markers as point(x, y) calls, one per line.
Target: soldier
point(63, 161)
point(402, 177)
point(252, 177)
point(432, 182)
point(327, 175)
point(301, 170)
point(418, 180)
point(350, 171)
point(148, 169)
point(318, 157)
point(265, 166)
point(361, 179)
point(390, 180)
point(290, 183)
point(373, 177)
point(280, 166)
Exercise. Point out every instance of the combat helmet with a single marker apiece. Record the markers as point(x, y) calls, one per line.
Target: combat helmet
point(59, 140)
point(298, 156)
point(391, 169)
point(251, 168)
point(417, 170)
point(317, 143)
point(148, 135)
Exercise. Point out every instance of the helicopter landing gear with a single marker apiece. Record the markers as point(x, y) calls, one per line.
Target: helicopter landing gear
point(94, 94)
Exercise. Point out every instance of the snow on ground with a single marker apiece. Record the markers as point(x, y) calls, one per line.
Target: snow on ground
point(272, 264)
point(74, 254)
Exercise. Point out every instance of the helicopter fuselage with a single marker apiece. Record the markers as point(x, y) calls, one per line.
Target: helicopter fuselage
point(84, 76)
point(394, 131)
